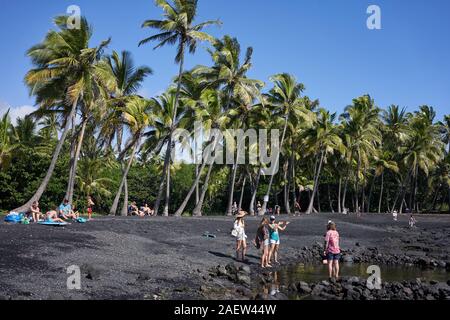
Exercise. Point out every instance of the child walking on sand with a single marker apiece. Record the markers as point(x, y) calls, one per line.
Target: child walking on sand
point(332, 250)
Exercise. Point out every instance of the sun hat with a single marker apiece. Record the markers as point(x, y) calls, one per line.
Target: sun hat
point(241, 214)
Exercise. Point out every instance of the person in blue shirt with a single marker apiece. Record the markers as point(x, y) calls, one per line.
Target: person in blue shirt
point(66, 212)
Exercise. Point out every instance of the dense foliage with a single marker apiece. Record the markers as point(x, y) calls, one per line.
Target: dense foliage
point(94, 136)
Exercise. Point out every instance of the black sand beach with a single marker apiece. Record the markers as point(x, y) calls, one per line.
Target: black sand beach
point(169, 258)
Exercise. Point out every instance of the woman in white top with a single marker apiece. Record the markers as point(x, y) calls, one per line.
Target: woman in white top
point(241, 237)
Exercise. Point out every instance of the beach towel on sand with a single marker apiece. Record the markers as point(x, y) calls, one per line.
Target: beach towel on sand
point(53, 224)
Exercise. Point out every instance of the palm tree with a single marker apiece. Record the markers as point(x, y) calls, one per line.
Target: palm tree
point(445, 131)
point(7, 144)
point(161, 136)
point(424, 149)
point(382, 163)
point(49, 127)
point(209, 111)
point(126, 80)
point(230, 75)
point(361, 136)
point(285, 98)
point(177, 28)
point(63, 72)
point(137, 116)
point(322, 140)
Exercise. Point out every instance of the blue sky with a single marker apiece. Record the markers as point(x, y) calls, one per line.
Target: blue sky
point(324, 43)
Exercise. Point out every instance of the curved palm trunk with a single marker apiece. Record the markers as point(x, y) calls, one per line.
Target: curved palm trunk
point(115, 204)
point(381, 193)
point(124, 211)
point(232, 182)
point(264, 207)
point(166, 173)
point(180, 210)
point(72, 158)
point(316, 185)
point(286, 187)
point(242, 193)
point(167, 202)
point(164, 176)
point(339, 195)
point(198, 208)
point(71, 185)
point(255, 193)
point(51, 168)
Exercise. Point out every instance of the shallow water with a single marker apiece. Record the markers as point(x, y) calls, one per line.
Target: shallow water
point(316, 273)
point(310, 273)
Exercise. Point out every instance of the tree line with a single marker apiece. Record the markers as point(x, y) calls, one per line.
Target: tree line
point(93, 135)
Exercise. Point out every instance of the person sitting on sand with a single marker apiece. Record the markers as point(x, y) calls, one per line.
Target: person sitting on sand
point(262, 242)
point(134, 210)
point(52, 216)
point(332, 250)
point(241, 237)
point(66, 212)
point(35, 212)
point(147, 210)
point(274, 230)
point(90, 204)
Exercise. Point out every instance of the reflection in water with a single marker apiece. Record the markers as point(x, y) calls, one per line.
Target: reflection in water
point(312, 273)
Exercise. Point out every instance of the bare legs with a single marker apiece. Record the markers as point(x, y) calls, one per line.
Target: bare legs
point(273, 252)
point(265, 257)
point(333, 269)
point(241, 249)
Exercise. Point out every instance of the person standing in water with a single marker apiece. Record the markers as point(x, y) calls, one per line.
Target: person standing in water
point(332, 250)
point(241, 237)
point(274, 230)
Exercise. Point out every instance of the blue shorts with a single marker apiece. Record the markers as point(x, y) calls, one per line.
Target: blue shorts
point(333, 257)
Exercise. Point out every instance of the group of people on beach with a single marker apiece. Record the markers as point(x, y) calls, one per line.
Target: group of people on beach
point(268, 241)
point(145, 210)
point(267, 238)
point(64, 212)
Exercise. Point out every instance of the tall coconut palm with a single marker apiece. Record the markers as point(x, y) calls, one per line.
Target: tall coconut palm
point(161, 136)
point(285, 98)
point(126, 79)
point(229, 74)
point(424, 149)
point(209, 111)
point(177, 27)
point(137, 116)
point(63, 70)
point(322, 140)
point(361, 136)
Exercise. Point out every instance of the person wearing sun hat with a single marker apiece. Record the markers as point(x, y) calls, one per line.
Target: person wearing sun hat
point(241, 237)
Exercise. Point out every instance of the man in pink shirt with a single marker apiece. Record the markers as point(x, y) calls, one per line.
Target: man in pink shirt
point(332, 250)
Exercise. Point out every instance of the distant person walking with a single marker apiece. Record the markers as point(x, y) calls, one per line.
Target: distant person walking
point(395, 215)
point(332, 250)
point(241, 237)
point(412, 221)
